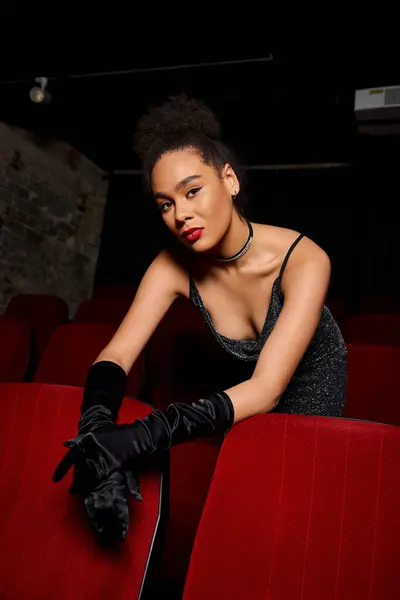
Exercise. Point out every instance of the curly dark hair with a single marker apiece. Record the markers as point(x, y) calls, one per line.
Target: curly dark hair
point(179, 123)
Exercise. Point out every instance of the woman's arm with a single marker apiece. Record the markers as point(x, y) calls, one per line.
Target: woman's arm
point(163, 281)
point(304, 285)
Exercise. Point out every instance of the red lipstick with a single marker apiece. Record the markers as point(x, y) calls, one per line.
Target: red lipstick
point(193, 234)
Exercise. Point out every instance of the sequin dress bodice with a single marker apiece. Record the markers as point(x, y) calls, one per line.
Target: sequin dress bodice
point(318, 385)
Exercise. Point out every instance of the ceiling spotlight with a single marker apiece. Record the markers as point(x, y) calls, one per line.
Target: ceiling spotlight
point(39, 94)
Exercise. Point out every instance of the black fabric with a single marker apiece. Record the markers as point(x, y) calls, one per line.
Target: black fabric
point(288, 254)
point(106, 504)
point(112, 448)
point(105, 385)
point(318, 386)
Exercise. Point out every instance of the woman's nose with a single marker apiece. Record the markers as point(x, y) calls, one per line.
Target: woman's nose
point(183, 212)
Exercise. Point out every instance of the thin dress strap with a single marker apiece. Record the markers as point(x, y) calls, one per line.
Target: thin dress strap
point(289, 252)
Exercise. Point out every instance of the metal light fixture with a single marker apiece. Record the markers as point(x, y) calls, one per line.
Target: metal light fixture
point(39, 94)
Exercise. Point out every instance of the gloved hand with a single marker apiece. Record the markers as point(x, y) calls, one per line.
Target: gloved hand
point(114, 447)
point(106, 504)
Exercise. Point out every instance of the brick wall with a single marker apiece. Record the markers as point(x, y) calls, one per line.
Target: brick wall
point(52, 203)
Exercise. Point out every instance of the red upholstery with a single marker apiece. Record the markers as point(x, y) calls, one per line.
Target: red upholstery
point(114, 291)
point(191, 469)
point(373, 391)
point(73, 349)
point(15, 336)
point(47, 547)
point(372, 329)
point(301, 508)
point(43, 313)
point(102, 310)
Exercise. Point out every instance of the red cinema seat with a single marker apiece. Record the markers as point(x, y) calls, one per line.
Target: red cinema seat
point(191, 469)
point(15, 336)
point(373, 389)
point(74, 348)
point(43, 313)
point(48, 549)
point(301, 507)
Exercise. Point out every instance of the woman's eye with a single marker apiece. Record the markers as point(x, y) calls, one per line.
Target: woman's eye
point(193, 192)
point(165, 206)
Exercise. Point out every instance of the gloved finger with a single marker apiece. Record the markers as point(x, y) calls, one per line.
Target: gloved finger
point(82, 481)
point(64, 465)
point(109, 515)
point(74, 442)
point(133, 485)
point(75, 489)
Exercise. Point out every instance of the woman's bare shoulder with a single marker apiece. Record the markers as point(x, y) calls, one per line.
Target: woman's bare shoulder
point(172, 268)
point(277, 240)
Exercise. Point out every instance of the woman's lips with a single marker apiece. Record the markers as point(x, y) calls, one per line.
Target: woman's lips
point(193, 234)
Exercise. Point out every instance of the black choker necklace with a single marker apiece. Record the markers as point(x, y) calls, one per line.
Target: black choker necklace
point(242, 251)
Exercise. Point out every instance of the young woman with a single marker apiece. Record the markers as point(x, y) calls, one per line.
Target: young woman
point(260, 289)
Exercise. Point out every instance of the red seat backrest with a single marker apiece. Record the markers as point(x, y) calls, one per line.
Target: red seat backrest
point(301, 507)
point(373, 389)
point(15, 336)
point(74, 348)
point(191, 469)
point(44, 314)
point(47, 547)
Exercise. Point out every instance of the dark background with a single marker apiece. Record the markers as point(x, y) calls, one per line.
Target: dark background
point(293, 111)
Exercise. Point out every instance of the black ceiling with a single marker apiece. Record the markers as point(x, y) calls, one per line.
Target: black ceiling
point(290, 109)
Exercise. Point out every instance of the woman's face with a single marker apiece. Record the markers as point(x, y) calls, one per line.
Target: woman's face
point(195, 200)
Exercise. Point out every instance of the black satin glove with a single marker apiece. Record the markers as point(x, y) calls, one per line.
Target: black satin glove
point(115, 447)
point(106, 504)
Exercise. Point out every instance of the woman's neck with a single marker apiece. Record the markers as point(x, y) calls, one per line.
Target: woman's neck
point(233, 241)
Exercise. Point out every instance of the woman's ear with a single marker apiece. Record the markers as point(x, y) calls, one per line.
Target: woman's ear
point(230, 179)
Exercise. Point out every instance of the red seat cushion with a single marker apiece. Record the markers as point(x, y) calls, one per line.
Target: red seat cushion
point(74, 348)
point(301, 507)
point(43, 313)
point(47, 547)
point(15, 336)
point(373, 389)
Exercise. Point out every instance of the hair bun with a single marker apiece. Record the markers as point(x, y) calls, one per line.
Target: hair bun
point(178, 117)
point(189, 114)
